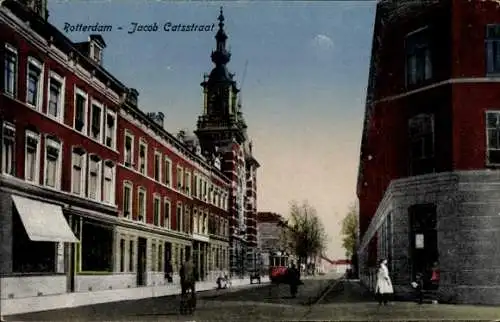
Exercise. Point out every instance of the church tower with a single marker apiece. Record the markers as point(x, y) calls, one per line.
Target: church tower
point(222, 121)
point(222, 133)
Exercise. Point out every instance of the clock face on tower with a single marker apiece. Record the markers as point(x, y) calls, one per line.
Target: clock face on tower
point(218, 100)
point(212, 100)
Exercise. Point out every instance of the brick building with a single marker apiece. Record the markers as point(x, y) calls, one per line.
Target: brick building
point(428, 176)
point(94, 193)
point(222, 133)
point(270, 228)
point(272, 239)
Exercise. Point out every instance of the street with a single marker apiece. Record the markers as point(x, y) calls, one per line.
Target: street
point(346, 300)
point(264, 302)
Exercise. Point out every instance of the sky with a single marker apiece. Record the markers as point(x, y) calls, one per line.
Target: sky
point(303, 92)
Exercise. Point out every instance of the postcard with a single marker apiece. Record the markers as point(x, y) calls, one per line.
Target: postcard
point(249, 160)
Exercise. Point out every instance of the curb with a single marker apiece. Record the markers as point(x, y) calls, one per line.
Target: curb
point(230, 289)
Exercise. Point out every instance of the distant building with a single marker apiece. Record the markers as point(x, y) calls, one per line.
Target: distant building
point(429, 162)
point(269, 231)
point(341, 265)
point(271, 228)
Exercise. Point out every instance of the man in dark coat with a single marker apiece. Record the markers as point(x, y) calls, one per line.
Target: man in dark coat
point(293, 279)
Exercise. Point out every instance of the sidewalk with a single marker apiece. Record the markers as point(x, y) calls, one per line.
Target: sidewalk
point(238, 303)
point(69, 300)
point(352, 302)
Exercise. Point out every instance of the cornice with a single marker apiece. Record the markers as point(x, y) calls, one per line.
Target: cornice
point(43, 45)
point(171, 146)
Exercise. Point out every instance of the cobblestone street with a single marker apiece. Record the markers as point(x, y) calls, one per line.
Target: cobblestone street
point(347, 301)
point(265, 302)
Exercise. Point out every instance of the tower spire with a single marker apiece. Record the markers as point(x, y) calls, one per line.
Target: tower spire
point(221, 19)
point(221, 55)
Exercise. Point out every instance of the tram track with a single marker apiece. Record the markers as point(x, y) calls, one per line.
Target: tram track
point(335, 285)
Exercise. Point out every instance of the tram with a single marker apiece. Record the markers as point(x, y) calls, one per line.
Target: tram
point(278, 267)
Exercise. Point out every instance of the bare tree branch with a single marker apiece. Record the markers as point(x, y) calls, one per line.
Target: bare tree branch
point(307, 234)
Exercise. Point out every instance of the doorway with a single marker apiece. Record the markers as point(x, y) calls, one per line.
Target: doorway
point(196, 263)
point(141, 261)
point(202, 262)
point(423, 238)
point(167, 258)
point(72, 252)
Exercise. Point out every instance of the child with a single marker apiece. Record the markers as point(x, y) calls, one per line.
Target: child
point(419, 286)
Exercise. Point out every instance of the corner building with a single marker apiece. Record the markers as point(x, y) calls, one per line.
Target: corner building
point(222, 134)
point(95, 194)
point(428, 176)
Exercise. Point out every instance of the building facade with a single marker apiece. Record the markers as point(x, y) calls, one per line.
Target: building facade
point(222, 134)
point(95, 194)
point(270, 236)
point(428, 176)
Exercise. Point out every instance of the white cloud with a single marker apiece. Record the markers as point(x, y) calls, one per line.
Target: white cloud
point(322, 42)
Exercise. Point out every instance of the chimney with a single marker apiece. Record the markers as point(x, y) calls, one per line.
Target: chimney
point(181, 135)
point(158, 118)
point(132, 95)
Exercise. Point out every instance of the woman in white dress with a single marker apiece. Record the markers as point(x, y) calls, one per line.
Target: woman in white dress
point(384, 285)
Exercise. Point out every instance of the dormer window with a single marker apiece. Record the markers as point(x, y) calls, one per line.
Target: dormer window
point(97, 45)
point(96, 53)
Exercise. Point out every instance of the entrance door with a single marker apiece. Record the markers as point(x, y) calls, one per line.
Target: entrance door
point(202, 261)
point(195, 260)
point(423, 233)
point(167, 258)
point(141, 261)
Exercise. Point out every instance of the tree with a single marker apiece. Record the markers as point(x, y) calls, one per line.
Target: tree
point(350, 231)
point(306, 235)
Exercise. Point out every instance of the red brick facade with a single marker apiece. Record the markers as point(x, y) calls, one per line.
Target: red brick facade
point(459, 84)
point(74, 100)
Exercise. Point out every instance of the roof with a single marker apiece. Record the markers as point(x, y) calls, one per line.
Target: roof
point(220, 74)
point(98, 39)
point(269, 217)
point(328, 260)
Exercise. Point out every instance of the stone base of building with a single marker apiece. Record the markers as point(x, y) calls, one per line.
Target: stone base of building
point(465, 206)
point(451, 294)
point(68, 300)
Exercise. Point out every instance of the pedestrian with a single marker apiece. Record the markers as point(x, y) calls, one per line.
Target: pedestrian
point(187, 275)
point(435, 276)
point(293, 279)
point(168, 272)
point(384, 285)
point(418, 285)
point(434, 280)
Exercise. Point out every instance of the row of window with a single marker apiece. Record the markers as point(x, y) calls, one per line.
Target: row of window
point(91, 118)
point(203, 188)
point(94, 120)
point(165, 253)
point(91, 177)
point(419, 58)
point(422, 145)
point(187, 220)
